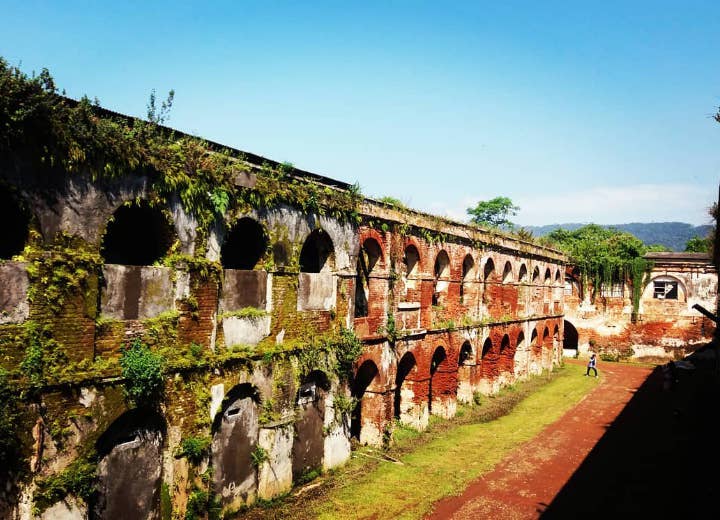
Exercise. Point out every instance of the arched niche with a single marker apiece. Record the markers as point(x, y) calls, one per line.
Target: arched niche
point(309, 440)
point(548, 277)
point(504, 343)
point(410, 270)
point(15, 217)
point(137, 234)
point(369, 257)
point(489, 270)
point(438, 384)
point(245, 245)
point(129, 470)
point(570, 336)
point(317, 253)
point(484, 357)
point(235, 432)
point(366, 377)
point(468, 273)
point(403, 405)
point(523, 274)
point(536, 275)
point(557, 277)
point(507, 273)
point(243, 285)
point(466, 354)
point(441, 274)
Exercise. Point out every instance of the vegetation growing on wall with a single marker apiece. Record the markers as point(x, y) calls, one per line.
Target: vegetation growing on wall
point(59, 270)
point(9, 417)
point(604, 256)
point(79, 137)
point(143, 372)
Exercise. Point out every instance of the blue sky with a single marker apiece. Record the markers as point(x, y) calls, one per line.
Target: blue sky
point(578, 111)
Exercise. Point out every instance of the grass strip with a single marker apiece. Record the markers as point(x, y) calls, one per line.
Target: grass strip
point(455, 457)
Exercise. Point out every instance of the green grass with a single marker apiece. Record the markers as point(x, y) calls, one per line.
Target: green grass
point(452, 458)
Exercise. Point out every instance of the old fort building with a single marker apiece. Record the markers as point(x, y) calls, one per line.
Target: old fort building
point(187, 324)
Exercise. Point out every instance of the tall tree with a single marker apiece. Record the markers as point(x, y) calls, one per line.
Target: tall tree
point(494, 213)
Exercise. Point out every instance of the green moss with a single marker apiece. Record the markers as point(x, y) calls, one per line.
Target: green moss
point(78, 479)
point(245, 312)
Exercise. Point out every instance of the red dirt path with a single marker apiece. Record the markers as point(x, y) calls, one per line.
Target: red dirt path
point(621, 452)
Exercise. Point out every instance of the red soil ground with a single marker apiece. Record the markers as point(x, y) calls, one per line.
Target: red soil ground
point(630, 449)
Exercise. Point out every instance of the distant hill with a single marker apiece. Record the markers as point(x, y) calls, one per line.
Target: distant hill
point(673, 235)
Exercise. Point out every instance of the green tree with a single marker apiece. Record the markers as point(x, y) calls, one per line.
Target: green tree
point(698, 245)
point(494, 213)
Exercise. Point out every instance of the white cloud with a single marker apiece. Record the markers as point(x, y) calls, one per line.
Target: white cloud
point(619, 205)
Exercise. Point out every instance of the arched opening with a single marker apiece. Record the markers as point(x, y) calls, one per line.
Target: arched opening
point(402, 403)
point(309, 440)
point(411, 259)
point(507, 273)
point(570, 336)
point(521, 355)
point(465, 354)
point(129, 465)
point(364, 377)
point(441, 272)
point(438, 365)
point(468, 267)
point(557, 277)
point(465, 368)
point(318, 253)
point(137, 234)
point(235, 436)
point(556, 342)
point(484, 358)
point(504, 343)
point(523, 274)
point(536, 275)
point(535, 346)
point(245, 245)
point(548, 276)
point(489, 270)
point(370, 254)
point(16, 224)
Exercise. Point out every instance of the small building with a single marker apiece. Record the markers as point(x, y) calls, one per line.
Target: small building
point(662, 324)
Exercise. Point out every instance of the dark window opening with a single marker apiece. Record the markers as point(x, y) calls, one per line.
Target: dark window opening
point(137, 235)
point(317, 252)
point(663, 290)
point(16, 224)
point(244, 246)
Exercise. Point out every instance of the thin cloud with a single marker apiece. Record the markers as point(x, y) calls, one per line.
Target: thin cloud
point(602, 205)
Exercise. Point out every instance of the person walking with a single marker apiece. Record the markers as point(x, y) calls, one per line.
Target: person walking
point(592, 362)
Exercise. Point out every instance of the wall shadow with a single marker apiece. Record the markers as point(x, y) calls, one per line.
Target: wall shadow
point(658, 459)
